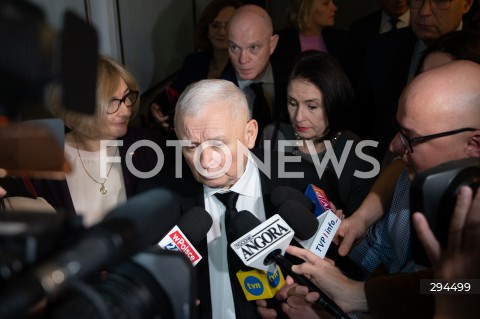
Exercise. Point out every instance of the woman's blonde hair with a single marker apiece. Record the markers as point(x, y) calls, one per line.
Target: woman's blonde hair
point(300, 14)
point(109, 73)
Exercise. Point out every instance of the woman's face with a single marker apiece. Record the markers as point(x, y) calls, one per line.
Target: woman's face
point(217, 30)
point(305, 107)
point(323, 13)
point(435, 59)
point(113, 126)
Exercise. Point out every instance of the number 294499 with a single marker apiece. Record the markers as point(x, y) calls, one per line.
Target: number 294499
point(433, 286)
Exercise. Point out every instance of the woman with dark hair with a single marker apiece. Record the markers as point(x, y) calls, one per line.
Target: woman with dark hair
point(319, 98)
point(208, 62)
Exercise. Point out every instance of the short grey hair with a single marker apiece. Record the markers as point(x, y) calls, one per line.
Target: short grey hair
point(199, 95)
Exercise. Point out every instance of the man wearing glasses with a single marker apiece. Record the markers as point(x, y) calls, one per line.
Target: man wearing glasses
point(438, 121)
point(392, 61)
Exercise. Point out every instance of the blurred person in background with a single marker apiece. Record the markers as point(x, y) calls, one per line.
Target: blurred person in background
point(310, 27)
point(207, 62)
point(87, 190)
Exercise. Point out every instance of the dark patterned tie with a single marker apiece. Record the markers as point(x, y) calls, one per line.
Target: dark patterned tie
point(393, 22)
point(261, 109)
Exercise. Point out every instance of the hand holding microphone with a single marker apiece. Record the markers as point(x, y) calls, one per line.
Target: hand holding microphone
point(346, 293)
point(262, 244)
point(316, 234)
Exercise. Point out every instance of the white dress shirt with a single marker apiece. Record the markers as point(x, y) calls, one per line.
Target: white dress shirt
point(250, 198)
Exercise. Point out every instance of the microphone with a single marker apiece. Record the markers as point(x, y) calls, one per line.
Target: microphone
point(319, 198)
point(140, 222)
point(256, 241)
point(264, 243)
point(283, 193)
point(263, 283)
point(259, 284)
point(314, 198)
point(314, 234)
point(193, 225)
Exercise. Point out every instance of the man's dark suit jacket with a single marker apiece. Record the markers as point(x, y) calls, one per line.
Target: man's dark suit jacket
point(367, 27)
point(280, 78)
point(191, 193)
point(385, 75)
point(362, 31)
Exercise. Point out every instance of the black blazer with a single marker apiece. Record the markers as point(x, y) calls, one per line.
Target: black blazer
point(384, 76)
point(365, 28)
point(191, 193)
point(288, 48)
point(362, 31)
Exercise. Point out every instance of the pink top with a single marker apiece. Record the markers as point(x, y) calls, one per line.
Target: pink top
point(312, 43)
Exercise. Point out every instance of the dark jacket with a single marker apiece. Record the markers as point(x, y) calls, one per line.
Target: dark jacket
point(388, 295)
point(385, 75)
point(362, 31)
point(280, 77)
point(289, 48)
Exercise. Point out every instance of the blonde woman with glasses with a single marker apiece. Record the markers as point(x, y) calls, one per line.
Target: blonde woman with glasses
point(97, 183)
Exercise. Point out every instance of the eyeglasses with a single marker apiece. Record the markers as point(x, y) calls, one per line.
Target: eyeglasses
point(217, 26)
point(129, 99)
point(409, 142)
point(434, 4)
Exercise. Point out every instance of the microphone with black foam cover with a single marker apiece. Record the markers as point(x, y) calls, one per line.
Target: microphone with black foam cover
point(315, 235)
point(141, 222)
point(283, 193)
point(192, 228)
point(259, 245)
point(314, 198)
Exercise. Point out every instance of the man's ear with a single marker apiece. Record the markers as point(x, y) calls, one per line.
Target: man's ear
point(473, 145)
point(467, 4)
point(273, 42)
point(251, 132)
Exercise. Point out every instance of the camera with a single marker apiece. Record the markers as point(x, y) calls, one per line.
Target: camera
point(81, 273)
point(90, 272)
point(434, 193)
point(152, 284)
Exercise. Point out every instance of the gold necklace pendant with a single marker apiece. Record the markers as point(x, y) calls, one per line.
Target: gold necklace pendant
point(103, 189)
